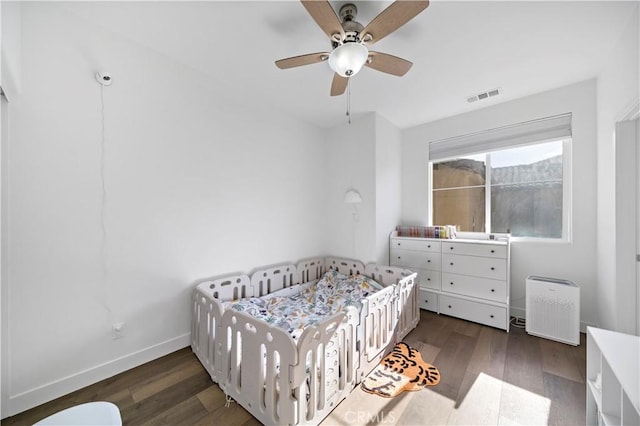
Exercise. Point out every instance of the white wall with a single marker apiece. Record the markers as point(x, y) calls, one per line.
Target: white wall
point(617, 91)
point(4, 290)
point(625, 222)
point(364, 155)
point(10, 36)
point(573, 261)
point(194, 189)
point(388, 186)
point(351, 164)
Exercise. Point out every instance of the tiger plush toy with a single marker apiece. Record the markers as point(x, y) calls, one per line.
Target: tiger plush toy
point(402, 370)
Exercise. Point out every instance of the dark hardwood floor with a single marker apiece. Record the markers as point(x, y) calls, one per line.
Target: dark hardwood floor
point(488, 377)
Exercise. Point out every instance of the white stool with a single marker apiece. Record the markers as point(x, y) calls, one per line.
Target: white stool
point(91, 413)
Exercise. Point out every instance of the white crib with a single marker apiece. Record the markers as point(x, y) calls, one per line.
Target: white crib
point(278, 380)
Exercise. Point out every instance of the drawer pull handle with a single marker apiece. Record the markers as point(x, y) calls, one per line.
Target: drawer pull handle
point(426, 300)
point(493, 269)
point(398, 243)
point(492, 290)
point(451, 263)
point(429, 246)
point(491, 316)
point(449, 306)
point(450, 248)
point(428, 279)
point(493, 251)
point(451, 283)
point(428, 260)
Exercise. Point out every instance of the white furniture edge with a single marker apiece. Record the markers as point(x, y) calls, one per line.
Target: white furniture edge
point(620, 353)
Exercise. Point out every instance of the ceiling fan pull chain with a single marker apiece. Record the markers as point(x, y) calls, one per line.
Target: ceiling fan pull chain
point(349, 100)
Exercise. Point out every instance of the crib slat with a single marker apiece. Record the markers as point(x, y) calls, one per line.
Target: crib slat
point(268, 280)
point(344, 266)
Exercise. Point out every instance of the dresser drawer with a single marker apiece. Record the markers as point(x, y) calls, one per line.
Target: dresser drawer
point(416, 244)
point(485, 267)
point(428, 300)
point(415, 259)
point(470, 249)
point(494, 316)
point(427, 278)
point(473, 286)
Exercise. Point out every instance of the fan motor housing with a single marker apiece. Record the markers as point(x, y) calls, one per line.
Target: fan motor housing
point(348, 12)
point(351, 27)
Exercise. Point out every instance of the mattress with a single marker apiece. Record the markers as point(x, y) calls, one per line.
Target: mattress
point(332, 294)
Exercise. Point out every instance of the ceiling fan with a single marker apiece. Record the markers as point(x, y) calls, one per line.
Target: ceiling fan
point(351, 40)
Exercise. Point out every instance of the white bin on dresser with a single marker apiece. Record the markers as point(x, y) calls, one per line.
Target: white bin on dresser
point(553, 309)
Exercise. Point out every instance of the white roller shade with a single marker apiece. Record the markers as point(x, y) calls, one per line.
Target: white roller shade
point(544, 129)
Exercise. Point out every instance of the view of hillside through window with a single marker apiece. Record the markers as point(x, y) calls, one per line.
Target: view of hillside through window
point(520, 189)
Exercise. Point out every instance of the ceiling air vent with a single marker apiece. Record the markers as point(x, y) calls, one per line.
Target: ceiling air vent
point(484, 95)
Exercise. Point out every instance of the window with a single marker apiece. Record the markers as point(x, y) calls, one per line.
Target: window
point(459, 192)
point(521, 189)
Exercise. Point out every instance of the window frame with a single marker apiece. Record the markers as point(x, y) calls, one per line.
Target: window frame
point(567, 198)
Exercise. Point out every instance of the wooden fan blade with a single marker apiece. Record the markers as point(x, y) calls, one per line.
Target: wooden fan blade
point(388, 63)
point(325, 16)
point(393, 17)
point(297, 61)
point(339, 84)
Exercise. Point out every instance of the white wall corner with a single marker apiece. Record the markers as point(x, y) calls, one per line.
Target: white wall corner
point(388, 188)
point(10, 36)
point(632, 112)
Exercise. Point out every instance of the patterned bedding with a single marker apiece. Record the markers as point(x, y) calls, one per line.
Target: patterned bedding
point(330, 295)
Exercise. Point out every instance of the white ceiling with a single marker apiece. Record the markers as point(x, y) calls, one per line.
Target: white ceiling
point(458, 49)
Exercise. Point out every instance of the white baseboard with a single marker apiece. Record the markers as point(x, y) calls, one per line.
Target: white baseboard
point(45, 393)
point(517, 312)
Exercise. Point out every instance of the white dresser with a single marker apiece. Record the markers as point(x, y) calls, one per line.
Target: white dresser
point(465, 278)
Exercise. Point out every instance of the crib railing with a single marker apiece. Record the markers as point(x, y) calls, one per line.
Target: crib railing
point(277, 380)
point(281, 382)
point(206, 317)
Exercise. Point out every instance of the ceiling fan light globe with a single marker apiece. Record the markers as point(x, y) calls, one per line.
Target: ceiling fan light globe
point(347, 59)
